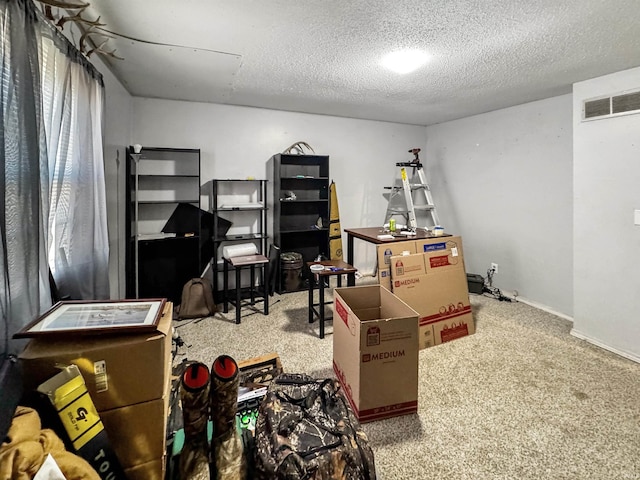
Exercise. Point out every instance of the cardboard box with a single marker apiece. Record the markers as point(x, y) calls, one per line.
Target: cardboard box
point(452, 244)
point(438, 292)
point(153, 470)
point(445, 310)
point(119, 370)
point(138, 433)
point(384, 278)
point(405, 266)
point(387, 250)
point(375, 351)
point(261, 370)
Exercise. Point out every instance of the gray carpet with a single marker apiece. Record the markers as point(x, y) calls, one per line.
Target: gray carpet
point(520, 399)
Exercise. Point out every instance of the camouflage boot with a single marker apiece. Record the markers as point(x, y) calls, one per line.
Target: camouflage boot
point(194, 395)
point(226, 445)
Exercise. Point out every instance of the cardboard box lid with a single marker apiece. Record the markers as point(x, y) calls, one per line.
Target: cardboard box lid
point(435, 296)
point(407, 265)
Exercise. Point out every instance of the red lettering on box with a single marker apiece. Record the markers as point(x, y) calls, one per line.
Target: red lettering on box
point(406, 282)
point(386, 411)
point(454, 331)
point(441, 261)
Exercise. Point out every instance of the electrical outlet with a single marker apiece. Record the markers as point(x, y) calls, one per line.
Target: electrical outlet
point(494, 267)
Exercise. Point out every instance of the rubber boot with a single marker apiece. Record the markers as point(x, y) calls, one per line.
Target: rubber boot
point(226, 444)
point(194, 395)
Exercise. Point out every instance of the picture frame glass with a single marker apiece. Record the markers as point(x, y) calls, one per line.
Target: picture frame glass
point(94, 317)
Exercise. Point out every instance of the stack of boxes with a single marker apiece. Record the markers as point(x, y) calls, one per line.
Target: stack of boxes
point(431, 278)
point(377, 334)
point(433, 282)
point(128, 378)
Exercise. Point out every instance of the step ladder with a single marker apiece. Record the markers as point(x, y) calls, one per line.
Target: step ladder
point(410, 195)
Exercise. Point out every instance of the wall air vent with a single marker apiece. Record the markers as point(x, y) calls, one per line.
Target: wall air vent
point(615, 105)
point(625, 103)
point(597, 108)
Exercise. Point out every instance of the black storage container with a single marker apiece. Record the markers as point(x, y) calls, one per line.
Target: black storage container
point(475, 283)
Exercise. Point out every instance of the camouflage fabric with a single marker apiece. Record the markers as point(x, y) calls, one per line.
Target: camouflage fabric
point(194, 396)
point(227, 453)
point(224, 395)
point(306, 430)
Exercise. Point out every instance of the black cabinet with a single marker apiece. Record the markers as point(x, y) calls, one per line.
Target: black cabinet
point(240, 209)
point(298, 217)
point(164, 246)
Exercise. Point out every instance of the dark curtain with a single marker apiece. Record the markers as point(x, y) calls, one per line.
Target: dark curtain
point(24, 200)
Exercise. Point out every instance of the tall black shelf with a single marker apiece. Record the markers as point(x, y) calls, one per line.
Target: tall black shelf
point(163, 222)
point(245, 207)
point(298, 217)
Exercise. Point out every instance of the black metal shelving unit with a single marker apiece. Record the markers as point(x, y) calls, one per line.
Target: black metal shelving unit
point(298, 217)
point(244, 208)
point(163, 221)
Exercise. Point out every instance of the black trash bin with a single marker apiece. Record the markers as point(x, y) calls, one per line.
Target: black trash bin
point(291, 267)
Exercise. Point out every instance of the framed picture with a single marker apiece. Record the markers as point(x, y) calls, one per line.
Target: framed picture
point(90, 318)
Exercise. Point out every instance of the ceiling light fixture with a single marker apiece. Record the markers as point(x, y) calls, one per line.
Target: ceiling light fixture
point(405, 61)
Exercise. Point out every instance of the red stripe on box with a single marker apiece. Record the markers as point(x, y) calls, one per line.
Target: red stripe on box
point(388, 413)
point(342, 312)
point(346, 391)
point(377, 413)
point(446, 316)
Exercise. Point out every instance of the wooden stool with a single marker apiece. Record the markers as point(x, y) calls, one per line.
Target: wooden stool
point(331, 268)
point(238, 263)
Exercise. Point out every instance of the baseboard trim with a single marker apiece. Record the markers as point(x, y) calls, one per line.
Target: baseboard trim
point(539, 306)
point(622, 353)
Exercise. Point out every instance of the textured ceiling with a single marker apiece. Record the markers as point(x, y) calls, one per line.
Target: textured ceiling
point(323, 56)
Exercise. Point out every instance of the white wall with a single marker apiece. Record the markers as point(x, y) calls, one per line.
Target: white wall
point(607, 245)
point(560, 229)
point(117, 131)
point(503, 181)
point(236, 142)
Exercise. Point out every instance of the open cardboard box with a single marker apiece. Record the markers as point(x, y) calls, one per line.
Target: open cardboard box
point(375, 351)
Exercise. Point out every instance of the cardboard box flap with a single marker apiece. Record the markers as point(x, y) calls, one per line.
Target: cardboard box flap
point(360, 298)
point(367, 314)
point(407, 265)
